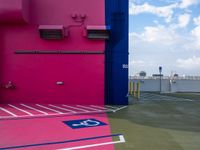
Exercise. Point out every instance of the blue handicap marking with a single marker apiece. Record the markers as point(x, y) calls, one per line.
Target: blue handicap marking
point(84, 123)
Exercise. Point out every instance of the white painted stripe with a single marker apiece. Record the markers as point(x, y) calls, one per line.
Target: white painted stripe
point(90, 108)
point(49, 108)
point(121, 140)
point(45, 115)
point(20, 109)
point(102, 108)
point(76, 108)
point(35, 116)
point(120, 108)
point(62, 108)
point(98, 107)
point(189, 100)
point(111, 107)
point(5, 110)
point(182, 99)
point(94, 109)
point(10, 117)
point(34, 109)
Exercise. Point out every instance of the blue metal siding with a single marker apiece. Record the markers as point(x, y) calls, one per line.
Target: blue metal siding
point(117, 53)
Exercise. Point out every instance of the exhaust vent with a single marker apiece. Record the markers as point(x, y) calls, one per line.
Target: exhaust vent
point(98, 32)
point(51, 32)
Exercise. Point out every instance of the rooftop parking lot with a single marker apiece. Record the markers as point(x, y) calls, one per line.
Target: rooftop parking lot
point(159, 122)
point(155, 122)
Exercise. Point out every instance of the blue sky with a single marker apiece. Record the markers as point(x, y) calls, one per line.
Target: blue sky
point(164, 33)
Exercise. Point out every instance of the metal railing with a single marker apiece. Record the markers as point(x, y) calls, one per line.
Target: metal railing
point(167, 77)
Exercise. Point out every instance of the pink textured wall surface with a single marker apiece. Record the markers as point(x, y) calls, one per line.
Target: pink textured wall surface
point(35, 75)
point(11, 11)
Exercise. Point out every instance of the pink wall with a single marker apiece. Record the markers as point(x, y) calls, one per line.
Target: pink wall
point(35, 75)
point(11, 11)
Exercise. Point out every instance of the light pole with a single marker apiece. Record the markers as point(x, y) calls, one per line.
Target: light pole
point(160, 71)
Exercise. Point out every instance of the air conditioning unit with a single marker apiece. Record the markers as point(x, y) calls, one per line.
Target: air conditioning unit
point(98, 32)
point(52, 32)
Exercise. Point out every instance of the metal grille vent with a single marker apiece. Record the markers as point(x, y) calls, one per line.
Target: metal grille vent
point(98, 32)
point(51, 32)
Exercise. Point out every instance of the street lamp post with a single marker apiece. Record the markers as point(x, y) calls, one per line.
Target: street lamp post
point(160, 71)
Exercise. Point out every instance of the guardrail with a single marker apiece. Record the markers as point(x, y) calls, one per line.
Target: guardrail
point(167, 77)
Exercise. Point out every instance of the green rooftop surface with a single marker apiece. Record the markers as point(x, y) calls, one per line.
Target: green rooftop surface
point(158, 122)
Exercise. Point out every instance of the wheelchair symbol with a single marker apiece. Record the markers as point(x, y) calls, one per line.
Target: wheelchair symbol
point(87, 123)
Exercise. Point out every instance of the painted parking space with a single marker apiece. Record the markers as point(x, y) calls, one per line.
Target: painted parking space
point(53, 133)
point(57, 126)
point(21, 110)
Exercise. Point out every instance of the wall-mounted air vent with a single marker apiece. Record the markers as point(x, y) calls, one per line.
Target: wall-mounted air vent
point(51, 32)
point(98, 32)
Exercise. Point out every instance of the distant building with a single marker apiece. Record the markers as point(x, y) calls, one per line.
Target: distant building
point(142, 74)
point(157, 75)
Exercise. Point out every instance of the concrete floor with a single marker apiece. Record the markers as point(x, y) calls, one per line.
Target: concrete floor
point(158, 122)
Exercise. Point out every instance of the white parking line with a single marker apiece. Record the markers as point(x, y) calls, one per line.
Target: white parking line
point(190, 100)
point(121, 140)
point(104, 108)
point(99, 107)
point(34, 109)
point(10, 117)
point(62, 108)
point(76, 108)
point(20, 109)
point(120, 108)
point(49, 109)
point(5, 110)
point(28, 116)
point(111, 107)
point(86, 107)
point(165, 98)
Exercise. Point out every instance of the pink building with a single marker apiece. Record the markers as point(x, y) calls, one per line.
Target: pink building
point(66, 51)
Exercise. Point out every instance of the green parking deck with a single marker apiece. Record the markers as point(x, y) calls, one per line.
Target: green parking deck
point(159, 122)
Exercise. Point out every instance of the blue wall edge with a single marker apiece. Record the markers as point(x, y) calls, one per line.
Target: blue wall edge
point(116, 54)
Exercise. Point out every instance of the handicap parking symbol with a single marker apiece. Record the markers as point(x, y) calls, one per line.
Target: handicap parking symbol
point(84, 123)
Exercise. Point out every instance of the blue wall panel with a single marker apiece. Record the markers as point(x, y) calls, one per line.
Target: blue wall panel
point(117, 53)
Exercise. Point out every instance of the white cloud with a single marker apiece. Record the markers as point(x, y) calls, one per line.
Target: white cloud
point(196, 38)
point(162, 36)
point(188, 3)
point(197, 21)
point(136, 65)
point(189, 63)
point(183, 20)
point(159, 34)
point(165, 11)
point(137, 62)
point(134, 39)
point(196, 33)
